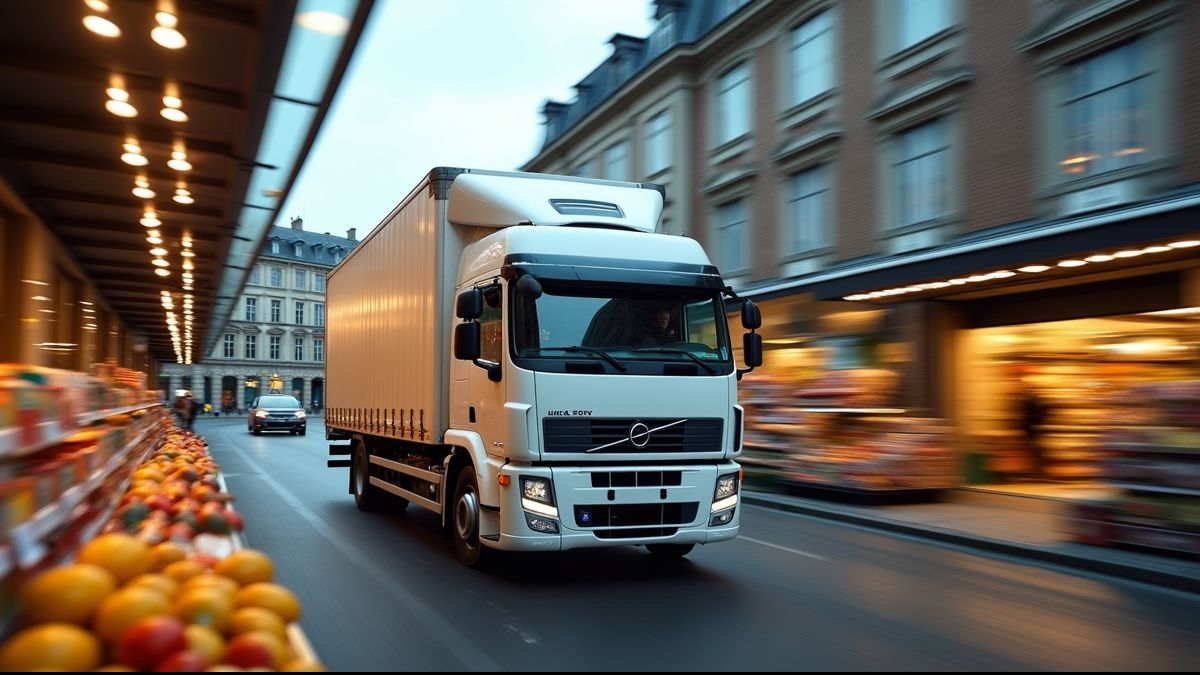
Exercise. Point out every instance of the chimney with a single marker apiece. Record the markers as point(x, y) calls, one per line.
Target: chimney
point(350, 233)
point(297, 223)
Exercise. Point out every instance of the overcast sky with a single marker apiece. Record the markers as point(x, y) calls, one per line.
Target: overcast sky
point(452, 82)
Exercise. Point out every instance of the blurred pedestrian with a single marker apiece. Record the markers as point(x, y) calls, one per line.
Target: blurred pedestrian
point(1033, 412)
point(190, 408)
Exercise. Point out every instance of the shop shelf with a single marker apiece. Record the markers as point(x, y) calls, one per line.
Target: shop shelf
point(48, 434)
point(98, 415)
point(1161, 489)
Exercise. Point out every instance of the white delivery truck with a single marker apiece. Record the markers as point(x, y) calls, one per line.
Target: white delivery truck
point(521, 354)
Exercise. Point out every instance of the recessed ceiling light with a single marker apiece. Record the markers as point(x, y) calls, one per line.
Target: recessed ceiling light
point(1184, 244)
point(1034, 269)
point(162, 272)
point(159, 262)
point(120, 108)
point(1072, 263)
point(165, 33)
point(1157, 249)
point(1130, 253)
point(1099, 258)
point(101, 26)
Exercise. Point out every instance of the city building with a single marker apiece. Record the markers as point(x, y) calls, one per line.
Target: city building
point(976, 196)
point(274, 342)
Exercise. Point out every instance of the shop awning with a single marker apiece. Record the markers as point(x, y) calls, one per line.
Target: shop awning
point(1161, 231)
point(208, 109)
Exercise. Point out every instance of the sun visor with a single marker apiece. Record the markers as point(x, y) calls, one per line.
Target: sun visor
point(506, 199)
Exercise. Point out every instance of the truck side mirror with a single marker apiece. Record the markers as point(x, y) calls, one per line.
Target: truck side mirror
point(529, 287)
point(469, 305)
point(751, 315)
point(466, 339)
point(752, 349)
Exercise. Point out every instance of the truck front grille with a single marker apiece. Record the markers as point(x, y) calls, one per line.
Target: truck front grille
point(629, 435)
point(630, 515)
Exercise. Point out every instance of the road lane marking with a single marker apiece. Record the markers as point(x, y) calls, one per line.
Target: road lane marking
point(442, 630)
point(797, 551)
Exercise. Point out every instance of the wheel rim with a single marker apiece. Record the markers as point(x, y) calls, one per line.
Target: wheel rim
point(466, 517)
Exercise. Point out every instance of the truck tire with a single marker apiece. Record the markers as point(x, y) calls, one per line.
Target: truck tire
point(367, 497)
point(464, 519)
point(669, 551)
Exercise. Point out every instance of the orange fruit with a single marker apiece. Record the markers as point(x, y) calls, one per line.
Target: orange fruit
point(270, 596)
point(210, 580)
point(247, 567)
point(302, 666)
point(204, 606)
point(126, 607)
point(155, 582)
point(248, 619)
point(183, 570)
point(164, 554)
point(50, 646)
point(123, 556)
point(70, 594)
point(206, 642)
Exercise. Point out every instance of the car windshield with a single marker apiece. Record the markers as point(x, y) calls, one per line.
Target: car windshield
point(278, 402)
point(661, 324)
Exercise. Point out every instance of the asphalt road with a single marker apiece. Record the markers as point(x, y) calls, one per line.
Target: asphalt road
point(385, 592)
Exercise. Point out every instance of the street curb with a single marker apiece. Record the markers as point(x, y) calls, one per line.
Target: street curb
point(1110, 567)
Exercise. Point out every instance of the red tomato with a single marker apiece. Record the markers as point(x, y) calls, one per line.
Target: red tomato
point(182, 662)
point(151, 640)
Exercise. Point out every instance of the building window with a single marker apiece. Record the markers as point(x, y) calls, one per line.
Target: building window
point(663, 36)
point(921, 173)
point(256, 275)
point(319, 283)
point(318, 349)
point(586, 169)
point(808, 210)
point(252, 309)
point(275, 247)
point(812, 58)
point(616, 161)
point(299, 313)
point(299, 349)
point(658, 142)
point(1107, 112)
point(733, 104)
point(275, 343)
point(301, 280)
point(276, 311)
point(252, 346)
point(277, 277)
point(318, 314)
point(732, 223)
point(337, 256)
point(298, 249)
point(229, 341)
point(917, 20)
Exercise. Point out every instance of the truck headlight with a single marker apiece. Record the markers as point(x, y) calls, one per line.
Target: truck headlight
point(725, 494)
point(300, 414)
point(260, 413)
point(537, 496)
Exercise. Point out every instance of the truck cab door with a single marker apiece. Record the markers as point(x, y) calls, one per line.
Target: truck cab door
point(487, 397)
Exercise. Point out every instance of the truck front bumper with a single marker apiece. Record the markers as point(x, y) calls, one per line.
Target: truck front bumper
point(618, 506)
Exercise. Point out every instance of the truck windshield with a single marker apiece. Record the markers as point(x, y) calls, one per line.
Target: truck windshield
point(663, 324)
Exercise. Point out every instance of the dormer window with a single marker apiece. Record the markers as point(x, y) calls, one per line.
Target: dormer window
point(299, 249)
point(275, 247)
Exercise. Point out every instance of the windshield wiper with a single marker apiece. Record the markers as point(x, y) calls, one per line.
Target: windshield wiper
point(705, 366)
point(588, 350)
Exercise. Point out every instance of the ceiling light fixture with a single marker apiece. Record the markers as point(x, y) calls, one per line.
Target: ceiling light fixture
point(159, 262)
point(173, 106)
point(1099, 258)
point(162, 272)
point(118, 102)
point(141, 188)
point(101, 26)
point(154, 240)
point(166, 33)
point(179, 160)
point(133, 155)
point(182, 195)
point(1072, 263)
point(1033, 269)
point(1184, 244)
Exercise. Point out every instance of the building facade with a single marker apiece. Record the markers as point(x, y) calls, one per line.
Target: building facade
point(937, 188)
point(274, 341)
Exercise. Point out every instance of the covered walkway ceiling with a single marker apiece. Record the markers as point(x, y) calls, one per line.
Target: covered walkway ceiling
point(118, 142)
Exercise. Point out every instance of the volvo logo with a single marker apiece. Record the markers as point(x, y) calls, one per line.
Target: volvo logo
point(639, 435)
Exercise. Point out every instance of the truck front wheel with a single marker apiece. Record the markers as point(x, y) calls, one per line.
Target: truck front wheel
point(465, 523)
point(367, 497)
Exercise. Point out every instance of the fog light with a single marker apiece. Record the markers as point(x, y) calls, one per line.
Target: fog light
point(540, 524)
point(722, 518)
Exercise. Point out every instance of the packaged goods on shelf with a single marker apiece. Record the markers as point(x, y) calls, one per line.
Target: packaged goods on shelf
point(840, 432)
point(1153, 460)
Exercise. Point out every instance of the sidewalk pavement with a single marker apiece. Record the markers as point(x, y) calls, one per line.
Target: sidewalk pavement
point(1026, 527)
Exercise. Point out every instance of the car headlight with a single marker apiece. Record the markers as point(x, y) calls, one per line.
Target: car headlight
point(725, 494)
point(538, 497)
point(300, 414)
point(260, 413)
